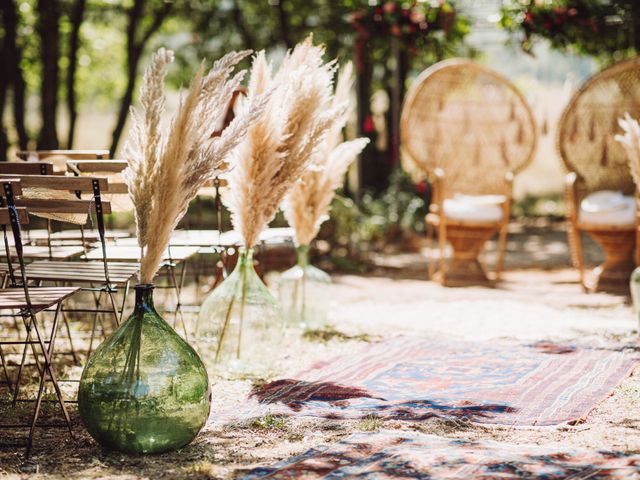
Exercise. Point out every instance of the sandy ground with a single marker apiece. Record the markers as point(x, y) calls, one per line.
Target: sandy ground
point(396, 299)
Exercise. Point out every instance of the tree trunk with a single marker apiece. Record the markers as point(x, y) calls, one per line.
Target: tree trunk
point(19, 101)
point(238, 18)
point(635, 18)
point(125, 103)
point(135, 48)
point(49, 51)
point(283, 20)
point(76, 18)
point(367, 161)
point(4, 86)
point(15, 80)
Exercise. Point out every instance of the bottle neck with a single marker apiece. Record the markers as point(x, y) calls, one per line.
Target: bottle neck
point(302, 254)
point(245, 257)
point(144, 297)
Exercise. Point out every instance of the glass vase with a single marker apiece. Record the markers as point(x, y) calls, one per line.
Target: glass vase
point(239, 322)
point(634, 286)
point(302, 291)
point(144, 389)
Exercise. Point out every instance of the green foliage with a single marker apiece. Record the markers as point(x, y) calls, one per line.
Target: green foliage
point(377, 220)
point(370, 423)
point(270, 422)
point(548, 206)
point(399, 206)
point(609, 29)
point(330, 333)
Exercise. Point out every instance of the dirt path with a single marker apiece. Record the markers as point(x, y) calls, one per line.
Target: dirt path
point(528, 305)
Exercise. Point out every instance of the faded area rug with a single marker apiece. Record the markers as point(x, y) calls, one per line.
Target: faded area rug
point(415, 379)
point(389, 454)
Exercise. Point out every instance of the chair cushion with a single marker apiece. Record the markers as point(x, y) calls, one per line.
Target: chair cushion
point(474, 208)
point(607, 207)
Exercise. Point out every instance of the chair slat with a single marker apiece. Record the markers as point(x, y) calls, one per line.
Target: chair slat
point(41, 297)
point(28, 168)
point(42, 154)
point(23, 216)
point(88, 166)
point(16, 186)
point(83, 184)
point(50, 205)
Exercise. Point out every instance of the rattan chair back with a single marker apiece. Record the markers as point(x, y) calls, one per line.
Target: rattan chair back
point(589, 123)
point(469, 121)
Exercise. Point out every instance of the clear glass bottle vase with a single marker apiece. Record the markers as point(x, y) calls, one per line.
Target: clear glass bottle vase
point(302, 291)
point(144, 389)
point(239, 324)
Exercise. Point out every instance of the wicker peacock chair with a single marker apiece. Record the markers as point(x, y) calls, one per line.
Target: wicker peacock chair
point(470, 130)
point(597, 162)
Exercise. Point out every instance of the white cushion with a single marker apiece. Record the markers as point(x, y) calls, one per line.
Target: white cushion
point(607, 207)
point(474, 208)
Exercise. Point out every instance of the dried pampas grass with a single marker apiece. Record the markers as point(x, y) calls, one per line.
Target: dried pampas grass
point(166, 170)
point(307, 204)
point(631, 142)
point(280, 145)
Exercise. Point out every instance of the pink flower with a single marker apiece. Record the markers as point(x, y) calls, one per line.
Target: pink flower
point(367, 125)
point(417, 17)
point(389, 7)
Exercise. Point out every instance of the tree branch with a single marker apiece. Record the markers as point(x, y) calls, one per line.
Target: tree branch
point(76, 18)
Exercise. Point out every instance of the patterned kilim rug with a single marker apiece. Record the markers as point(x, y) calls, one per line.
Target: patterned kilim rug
point(388, 454)
point(414, 379)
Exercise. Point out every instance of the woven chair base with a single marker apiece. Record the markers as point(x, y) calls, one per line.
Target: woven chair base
point(464, 269)
point(464, 273)
point(619, 247)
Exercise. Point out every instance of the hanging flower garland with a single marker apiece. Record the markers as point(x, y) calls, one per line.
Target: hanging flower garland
point(411, 24)
point(589, 26)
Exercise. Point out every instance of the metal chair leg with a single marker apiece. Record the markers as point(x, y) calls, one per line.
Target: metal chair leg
point(47, 352)
point(68, 328)
point(7, 378)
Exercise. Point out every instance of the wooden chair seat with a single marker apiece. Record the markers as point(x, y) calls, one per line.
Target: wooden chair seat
point(131, 253)
point(61, 252)
point(40, 235)
point(41, 297)
point(81, 272)
point(209, 238)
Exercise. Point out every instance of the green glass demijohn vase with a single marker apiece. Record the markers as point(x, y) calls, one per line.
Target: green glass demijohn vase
point(144, 389)
point(302, 293)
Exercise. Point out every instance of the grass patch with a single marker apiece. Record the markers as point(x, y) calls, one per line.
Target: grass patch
point(270, 422)
point(369, 424)
point(330, 333)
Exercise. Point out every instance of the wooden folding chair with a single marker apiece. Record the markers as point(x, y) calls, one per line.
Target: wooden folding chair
point(26, 302)
point(40, 245)
point(95, 274)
